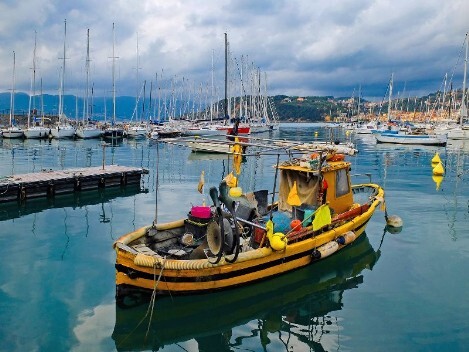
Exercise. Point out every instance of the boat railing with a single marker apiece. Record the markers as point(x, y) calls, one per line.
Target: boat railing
point(364, 174)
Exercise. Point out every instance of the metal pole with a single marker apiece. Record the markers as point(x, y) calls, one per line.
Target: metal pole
point(226, 77)
point(275, 187)
point(156, 183)
point(104, 154)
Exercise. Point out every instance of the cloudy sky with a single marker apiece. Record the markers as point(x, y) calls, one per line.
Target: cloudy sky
point(303, 47)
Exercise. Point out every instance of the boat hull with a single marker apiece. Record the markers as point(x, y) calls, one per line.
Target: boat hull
point(435, 140)
point(113, 134)
point(89, 133)
point(197, 276)
point(36, 132)
point(210, 147)
point(12, 133)
point(203, 132)
point(62, 132)
point(459, 133)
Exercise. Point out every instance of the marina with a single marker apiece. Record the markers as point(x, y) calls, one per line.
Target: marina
point(66, 280)
point(212, 177)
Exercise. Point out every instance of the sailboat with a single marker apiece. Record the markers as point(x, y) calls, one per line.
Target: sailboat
point(113, 132)
point(12, 131)
point(409, 136)
point(138, 129)
point(34, 130)
point(462, 131)
point(63, 129)
point(87, 130)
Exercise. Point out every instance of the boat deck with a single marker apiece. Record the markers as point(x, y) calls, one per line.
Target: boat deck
point(47, 183)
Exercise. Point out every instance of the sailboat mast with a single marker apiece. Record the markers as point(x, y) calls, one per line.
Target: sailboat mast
point(390, 96)
point(33, 83)
point(359, 102)
point(138, 87)
point(226, 77)
point(241, 89)
point(42, 106)
point(87, 68)
point(211, 96)
point(143, 101)
point(113, 77)
point(62, 78)
point(34, 70)
point(464, 95)
point(12, 96)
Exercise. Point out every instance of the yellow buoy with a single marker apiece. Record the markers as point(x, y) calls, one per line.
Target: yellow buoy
point(436, 159)
point(278, 241)
point(437, 179)
point(439, 170)
point(235, 192)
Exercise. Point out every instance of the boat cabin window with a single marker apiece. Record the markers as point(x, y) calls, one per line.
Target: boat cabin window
point(342, 186)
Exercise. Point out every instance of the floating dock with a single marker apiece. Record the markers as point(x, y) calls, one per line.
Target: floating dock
point(48, 183)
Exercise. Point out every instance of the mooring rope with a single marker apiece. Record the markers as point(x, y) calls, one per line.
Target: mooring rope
point(152, 303)
point(6, 190)
point(153, 295)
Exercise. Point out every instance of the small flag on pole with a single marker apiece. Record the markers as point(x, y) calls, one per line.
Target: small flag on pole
point(322, 217)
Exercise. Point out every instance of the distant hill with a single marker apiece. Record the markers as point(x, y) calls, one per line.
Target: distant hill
point(288, 108)
point(125, 105)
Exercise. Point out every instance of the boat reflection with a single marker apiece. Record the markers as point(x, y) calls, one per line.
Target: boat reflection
point(457, 145)
point(195, 156)
point(79, 199)
point(293, 306)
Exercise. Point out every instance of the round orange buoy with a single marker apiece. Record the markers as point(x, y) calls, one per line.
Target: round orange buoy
point(295, 225)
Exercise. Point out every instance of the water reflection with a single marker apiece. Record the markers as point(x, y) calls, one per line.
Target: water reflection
point(14, 210)
point(292, 310)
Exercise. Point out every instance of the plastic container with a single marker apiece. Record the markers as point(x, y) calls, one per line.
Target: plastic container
point(201, 212)
point(196, 226)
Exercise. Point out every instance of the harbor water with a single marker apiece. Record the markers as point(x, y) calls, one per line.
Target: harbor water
point(403, 291)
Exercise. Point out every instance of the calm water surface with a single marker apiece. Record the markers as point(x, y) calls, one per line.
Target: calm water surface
point(387, 292)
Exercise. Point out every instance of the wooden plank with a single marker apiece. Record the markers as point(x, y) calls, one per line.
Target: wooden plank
point(50, 182)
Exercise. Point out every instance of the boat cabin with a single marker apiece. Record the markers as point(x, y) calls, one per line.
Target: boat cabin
point(333, 181)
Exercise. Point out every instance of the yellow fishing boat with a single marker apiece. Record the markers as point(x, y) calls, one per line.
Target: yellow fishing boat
point(277, 305)
point(246, 237)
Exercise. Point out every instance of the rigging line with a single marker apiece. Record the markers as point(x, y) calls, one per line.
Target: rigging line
point(381, 104)
point(459, 57)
